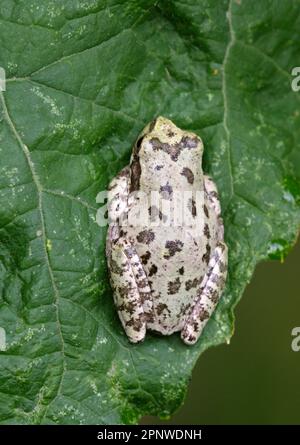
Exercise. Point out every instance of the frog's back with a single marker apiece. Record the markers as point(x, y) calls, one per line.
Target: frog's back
point(175, 260)
point(167, 160)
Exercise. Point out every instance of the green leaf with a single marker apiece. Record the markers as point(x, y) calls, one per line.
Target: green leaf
point(83, 78)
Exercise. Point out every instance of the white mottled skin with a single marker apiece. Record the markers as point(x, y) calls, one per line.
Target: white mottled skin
point(165, 278)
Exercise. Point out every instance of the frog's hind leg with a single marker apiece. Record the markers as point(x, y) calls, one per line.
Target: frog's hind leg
point(132, 294)
point(207, 296)
point(141, 280)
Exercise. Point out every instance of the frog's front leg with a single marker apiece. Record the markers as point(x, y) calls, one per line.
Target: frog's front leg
point(118, 191)
point(207, 296)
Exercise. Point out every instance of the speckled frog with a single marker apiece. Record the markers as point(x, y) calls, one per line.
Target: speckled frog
point(165, 277)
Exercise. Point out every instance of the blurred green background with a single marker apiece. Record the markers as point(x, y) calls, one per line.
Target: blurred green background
point(255, 379)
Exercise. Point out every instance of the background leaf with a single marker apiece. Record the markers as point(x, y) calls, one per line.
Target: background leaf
point(83, 78)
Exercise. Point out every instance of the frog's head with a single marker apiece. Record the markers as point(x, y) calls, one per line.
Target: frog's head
point(163, 148)
point(162, 134)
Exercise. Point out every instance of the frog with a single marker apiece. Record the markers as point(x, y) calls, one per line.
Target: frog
point(165, 278)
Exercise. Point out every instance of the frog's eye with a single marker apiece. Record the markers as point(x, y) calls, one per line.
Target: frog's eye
point(139, 143)
point(152, 124)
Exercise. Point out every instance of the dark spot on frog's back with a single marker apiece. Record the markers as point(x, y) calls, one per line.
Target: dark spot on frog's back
point(206, 256)
point(153, 270)
point(161, 307)
point(145, 237)
point(187, 172)
point(145, 257)
point(181, 270)
point(174, 286)
point(173, 247)
point(172, 150)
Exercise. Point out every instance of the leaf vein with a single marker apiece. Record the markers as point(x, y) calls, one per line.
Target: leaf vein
point(230, 44)
point(38, 185)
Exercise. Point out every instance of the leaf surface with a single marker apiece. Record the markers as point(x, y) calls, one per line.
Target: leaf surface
point(83, 78)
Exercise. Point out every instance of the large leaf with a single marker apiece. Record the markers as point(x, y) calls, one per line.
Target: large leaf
point(83, 78)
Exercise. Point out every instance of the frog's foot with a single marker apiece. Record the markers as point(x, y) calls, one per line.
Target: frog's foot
point(132, 293)
point(118, 192)
point(207, 296)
